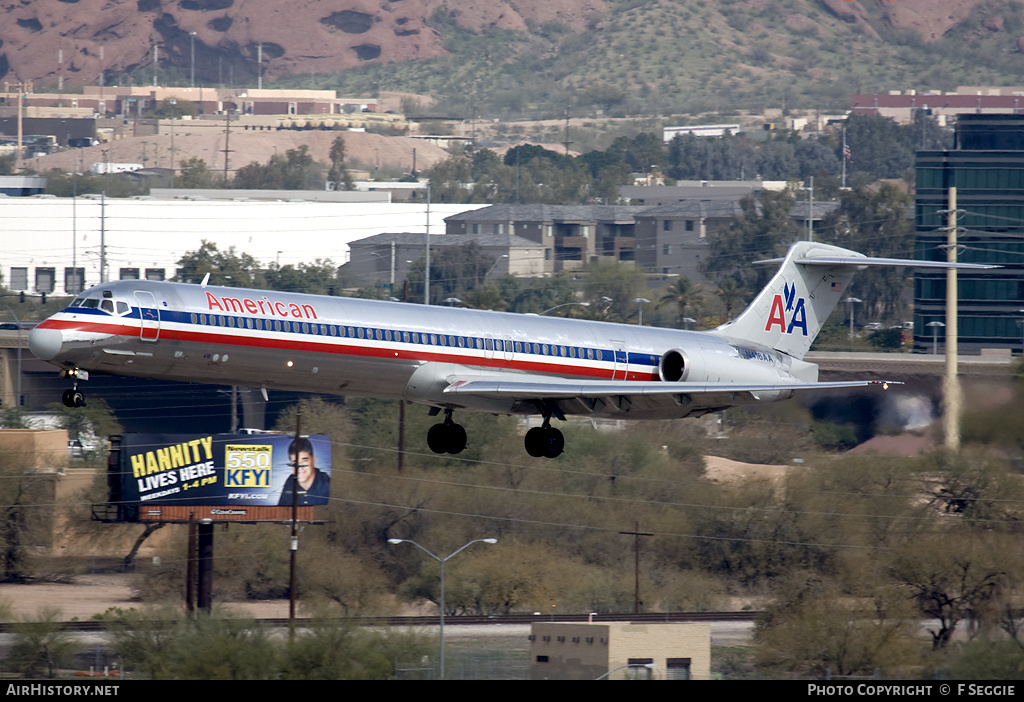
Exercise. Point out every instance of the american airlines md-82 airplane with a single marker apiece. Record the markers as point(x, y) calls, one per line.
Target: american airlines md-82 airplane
point(453, 359)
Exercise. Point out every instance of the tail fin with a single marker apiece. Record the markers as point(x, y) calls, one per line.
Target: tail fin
point(787, 315)
point(789, 312)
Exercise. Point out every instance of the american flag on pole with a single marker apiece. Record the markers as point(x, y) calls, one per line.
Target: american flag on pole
point(847, 154)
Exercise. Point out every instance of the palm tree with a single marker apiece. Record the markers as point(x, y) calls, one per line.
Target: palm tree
point(682, 294)
point(730, 292)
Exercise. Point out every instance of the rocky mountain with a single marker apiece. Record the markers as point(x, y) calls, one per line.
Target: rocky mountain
point(522, 56)
point(42, 40)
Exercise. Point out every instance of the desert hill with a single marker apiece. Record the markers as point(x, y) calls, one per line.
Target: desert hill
point(524, 57)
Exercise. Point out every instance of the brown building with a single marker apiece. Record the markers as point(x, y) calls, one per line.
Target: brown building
point(672, 239)
point(385, 259)
point(37, 480)
point(571, 235)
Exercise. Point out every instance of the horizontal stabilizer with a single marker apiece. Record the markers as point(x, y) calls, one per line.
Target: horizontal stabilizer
point(889, 262)
point(864, 261)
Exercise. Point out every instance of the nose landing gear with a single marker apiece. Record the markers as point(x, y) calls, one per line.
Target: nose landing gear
point(72, 397)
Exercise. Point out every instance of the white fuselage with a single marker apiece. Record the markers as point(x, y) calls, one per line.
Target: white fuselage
point(260, 338)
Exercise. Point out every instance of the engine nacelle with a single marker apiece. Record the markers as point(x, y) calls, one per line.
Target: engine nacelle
point(677, 366)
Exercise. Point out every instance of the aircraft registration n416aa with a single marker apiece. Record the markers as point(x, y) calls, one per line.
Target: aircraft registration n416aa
point(458, 359)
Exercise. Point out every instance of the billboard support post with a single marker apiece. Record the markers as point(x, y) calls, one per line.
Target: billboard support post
point(190, 568)
point(293, 544)
point(205, 563)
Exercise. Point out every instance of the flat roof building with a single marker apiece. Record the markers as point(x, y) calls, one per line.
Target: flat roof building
point(620, 650)
point(986, 166)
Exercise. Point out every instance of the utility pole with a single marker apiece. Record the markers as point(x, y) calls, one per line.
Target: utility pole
point(21, 100)
point(636, 534)
point(951, 386)
point(426, 268)
point(226, 149)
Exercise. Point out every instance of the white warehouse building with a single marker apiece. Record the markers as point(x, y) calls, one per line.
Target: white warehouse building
point(44, 240)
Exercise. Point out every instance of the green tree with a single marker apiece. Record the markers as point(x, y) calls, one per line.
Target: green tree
point(225, 267)
point(730, 292)
point(611, 289)
point(332, 649)
point(977, 486)
point(94, 421)
point(683, 295)
point(454, 270)
point(874, 223)
point(813, 628)
point(63, 184)
point(952, 577)
point(338, 172)
point(194, 173)
point(318, 278)
point(763, 230)
point(41, 645)
point(879, 148)
point(295, 170)
point(485, 297)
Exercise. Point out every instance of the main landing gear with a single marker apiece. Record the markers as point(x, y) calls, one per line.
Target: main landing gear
point(541, 442)
point(544, 441)
point(447, 437)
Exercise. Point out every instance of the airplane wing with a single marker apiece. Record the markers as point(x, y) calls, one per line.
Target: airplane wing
point(632, 395)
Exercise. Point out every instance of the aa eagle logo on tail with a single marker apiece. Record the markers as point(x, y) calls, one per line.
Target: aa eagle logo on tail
point(794, 307)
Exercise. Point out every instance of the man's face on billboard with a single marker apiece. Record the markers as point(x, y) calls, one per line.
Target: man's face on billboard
point(306, 467)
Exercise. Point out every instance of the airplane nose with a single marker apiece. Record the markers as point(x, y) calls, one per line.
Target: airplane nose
point(45, 343)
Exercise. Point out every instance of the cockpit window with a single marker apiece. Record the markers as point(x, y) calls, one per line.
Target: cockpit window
point(105, 301)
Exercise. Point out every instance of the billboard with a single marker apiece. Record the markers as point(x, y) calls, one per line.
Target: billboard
point(223, 470)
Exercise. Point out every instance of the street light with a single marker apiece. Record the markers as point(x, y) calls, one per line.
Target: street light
point(850, 301)
point(565, 304)
point(935, 335)
point(641, 301)
point(491, 269)
point(442, 561)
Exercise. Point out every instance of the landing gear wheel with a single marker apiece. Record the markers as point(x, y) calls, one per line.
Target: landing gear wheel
point(546, 442)
point(448, 437)
point(535, 442)
point(437, 438)
point(73, 398)
point(554, 443)
point(457, 438)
